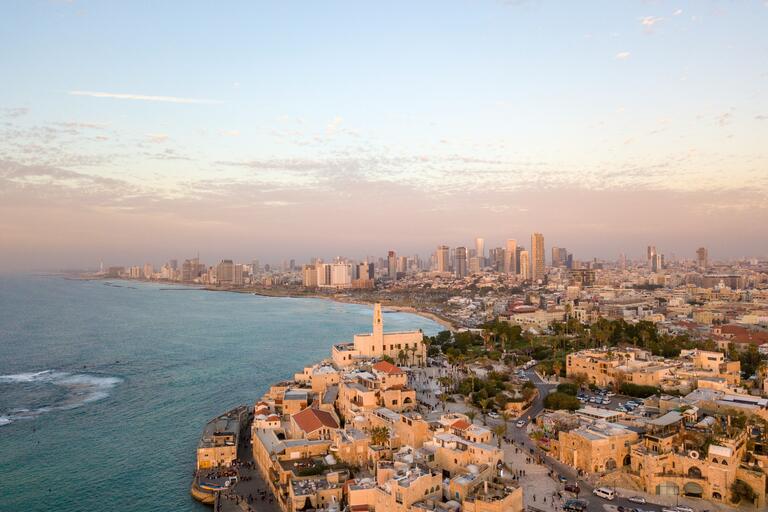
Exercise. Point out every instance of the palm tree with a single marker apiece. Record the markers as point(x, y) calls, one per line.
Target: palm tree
point(484, 404)
point(506, 416)
point(402, 357)
point(500, 431)
point(471, 415)
point(379, 435)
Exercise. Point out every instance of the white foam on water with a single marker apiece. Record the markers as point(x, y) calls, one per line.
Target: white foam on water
point(27, 377)
point(80, 389)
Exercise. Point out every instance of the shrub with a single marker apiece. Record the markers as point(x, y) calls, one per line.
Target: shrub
point(630, 389)
point(559, 400)
point(568, 388)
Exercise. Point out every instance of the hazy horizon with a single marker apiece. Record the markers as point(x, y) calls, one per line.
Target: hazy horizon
point(134, 133)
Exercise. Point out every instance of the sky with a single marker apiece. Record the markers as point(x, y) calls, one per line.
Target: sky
point(143, 131)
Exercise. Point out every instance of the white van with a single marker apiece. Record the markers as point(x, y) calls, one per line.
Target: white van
point(605, 493)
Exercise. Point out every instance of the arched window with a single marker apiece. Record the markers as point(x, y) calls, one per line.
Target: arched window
point(694, 472)
point(724, 463)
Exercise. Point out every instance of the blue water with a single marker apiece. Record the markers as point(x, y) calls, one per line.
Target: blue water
point(104, 390)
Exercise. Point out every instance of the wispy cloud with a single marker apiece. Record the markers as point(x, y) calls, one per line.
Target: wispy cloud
point(677, 12)
point(649, 21)
point(14, 112)
point(157, 138)
point(622, 56)
point(141, 97)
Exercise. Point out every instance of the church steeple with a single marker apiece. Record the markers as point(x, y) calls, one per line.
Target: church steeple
point(378, 325)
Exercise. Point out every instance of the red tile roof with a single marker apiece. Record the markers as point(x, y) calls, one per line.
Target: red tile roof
point(387, 367)
point(461, 424)
point(311, 419)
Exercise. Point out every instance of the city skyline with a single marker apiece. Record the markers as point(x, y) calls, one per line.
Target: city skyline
point(280, 132)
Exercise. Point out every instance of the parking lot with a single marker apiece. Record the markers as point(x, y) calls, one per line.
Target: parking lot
point(605, 399)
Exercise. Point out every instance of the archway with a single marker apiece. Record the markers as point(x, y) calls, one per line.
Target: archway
point(627, 460)
point(667, 489)
point(717, 496)
point(610, 465)
point(693, 490)
point(694, 472)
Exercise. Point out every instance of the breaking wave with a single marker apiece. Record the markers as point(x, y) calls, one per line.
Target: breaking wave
point(73, 390)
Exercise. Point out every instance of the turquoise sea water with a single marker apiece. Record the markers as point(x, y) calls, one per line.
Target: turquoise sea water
point(104, 389)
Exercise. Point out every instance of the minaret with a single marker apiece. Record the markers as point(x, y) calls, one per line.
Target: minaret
point(378, 327)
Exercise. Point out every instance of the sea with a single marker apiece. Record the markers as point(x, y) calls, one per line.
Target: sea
point(105, 386)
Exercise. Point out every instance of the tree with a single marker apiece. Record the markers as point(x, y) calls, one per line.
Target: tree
point(471, 415)
point(500, 431)
point(568, 388)
point(557, 401)
point(484, 405)
point(379, 436)
point(741, 490)
point(402, 357)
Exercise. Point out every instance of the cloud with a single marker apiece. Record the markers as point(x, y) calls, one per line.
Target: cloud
point(141, 97)
point(231, 133)
point(761, 117)
point(649, 21)
point(622, 56)
point(334, 125)
point(14, 112)
point(724, 119)
point(677, 12)
point(157, 138)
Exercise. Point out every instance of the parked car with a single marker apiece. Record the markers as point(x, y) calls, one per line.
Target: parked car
point(637, 499)
point(520, 423)
point(610, 393)
point(494, 415)
point(605, 493)
point(574, 488)
point(683, 508)
point(575, 506)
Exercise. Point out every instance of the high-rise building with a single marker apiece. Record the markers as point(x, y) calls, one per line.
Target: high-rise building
point(480, 250)
point(651, 255)
point(225, 272)
point(474, 265)
point(537, 257)
point(702, 258)
point(148, 271)
point(402, 264)
point(460, 266)
point(496, 259)
point(309, 276)
point(510, 260)
point(237, 275)
point(442, 255)
point(559, 256)
point(392, 264)
point(525, 265)
point(622, 261)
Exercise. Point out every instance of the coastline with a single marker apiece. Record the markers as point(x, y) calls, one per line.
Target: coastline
point(439, 319)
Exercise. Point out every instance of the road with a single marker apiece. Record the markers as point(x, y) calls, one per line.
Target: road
point(520, 437)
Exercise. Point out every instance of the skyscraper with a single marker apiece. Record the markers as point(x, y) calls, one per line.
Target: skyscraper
point(510, 257)
point(525, 265)
point(460, 266)
point(651, 254)
point(443, 263)
point(559, 256)
point(537, 257)
point(392, 264)
point(225, 272)
point(702, 257)
point(480, 250)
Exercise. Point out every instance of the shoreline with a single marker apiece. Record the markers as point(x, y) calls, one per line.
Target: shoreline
point(289, 294)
